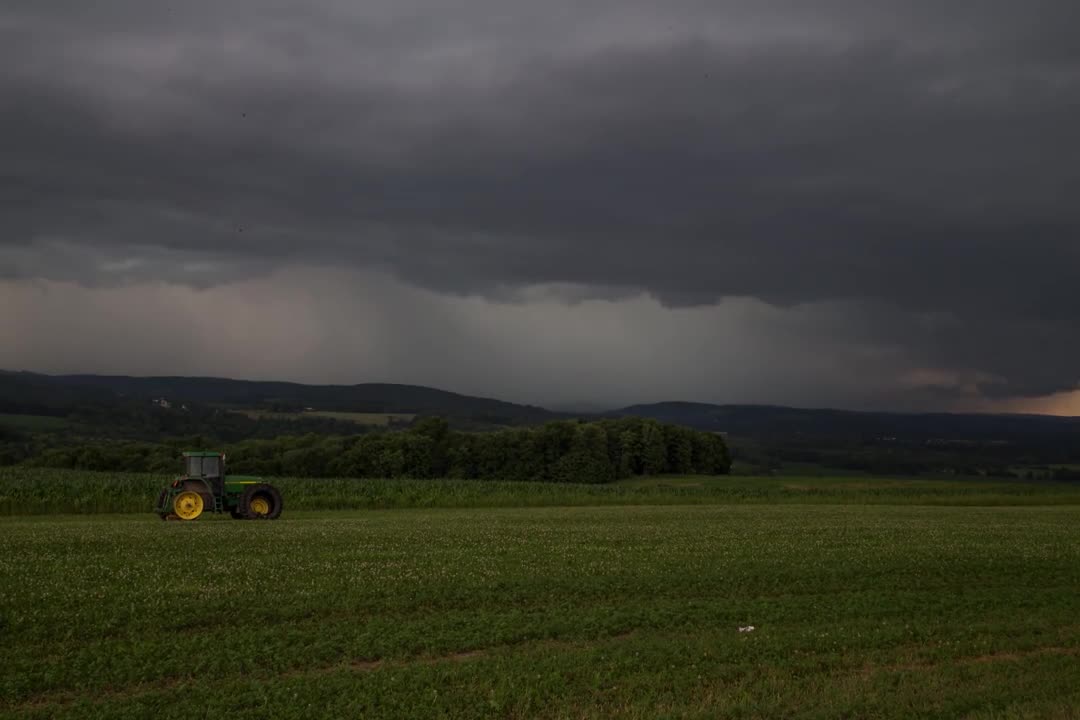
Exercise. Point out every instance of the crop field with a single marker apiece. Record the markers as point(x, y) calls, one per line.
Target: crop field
point(35, 491)
point(859, 610)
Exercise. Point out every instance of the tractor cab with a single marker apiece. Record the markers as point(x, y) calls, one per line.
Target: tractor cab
point(204, 485)
point(204, 465)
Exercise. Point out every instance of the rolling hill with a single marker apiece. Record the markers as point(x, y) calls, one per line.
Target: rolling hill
point(766, 420)
point(60, 395)
point(32, 393)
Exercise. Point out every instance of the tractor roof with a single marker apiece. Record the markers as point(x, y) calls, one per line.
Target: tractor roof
point(201, 453)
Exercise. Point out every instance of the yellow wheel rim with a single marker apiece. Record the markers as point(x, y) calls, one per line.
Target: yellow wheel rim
point(188, 505)
point(260, 506)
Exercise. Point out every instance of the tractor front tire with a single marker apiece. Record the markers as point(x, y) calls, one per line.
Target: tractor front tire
point(200, 487)
point(188, 505)
point(260, 502)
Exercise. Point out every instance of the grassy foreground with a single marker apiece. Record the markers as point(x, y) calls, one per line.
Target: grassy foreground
point(860, 611)
point(36, 491)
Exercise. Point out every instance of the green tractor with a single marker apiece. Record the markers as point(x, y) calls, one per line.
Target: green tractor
point(205, 487)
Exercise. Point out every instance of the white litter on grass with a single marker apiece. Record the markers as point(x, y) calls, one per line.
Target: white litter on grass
point(748, 628)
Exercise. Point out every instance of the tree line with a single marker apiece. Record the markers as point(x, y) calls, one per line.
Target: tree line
point(560, 451)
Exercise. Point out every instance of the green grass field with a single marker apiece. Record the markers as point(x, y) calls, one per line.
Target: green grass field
point(360, 418)
point(874, 608)
point(34, 423)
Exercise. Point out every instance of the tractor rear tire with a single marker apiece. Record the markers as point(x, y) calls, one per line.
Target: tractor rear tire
point(260, 502)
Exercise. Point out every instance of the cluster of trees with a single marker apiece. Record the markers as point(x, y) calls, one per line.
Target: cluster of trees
point(1061, 474)
point(13, 445)
point(897, 457)
point(561, 451)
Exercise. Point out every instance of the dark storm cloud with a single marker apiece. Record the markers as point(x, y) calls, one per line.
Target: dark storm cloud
point(910, 160)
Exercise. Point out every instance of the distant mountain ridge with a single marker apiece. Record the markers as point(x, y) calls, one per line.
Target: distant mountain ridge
point(364, 397)
point(34, 393)
point(766, 420)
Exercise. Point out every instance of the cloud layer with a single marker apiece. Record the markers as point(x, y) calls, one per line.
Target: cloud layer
point(891, 176)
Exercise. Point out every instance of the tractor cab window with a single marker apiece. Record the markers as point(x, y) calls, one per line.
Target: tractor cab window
point(203, 467)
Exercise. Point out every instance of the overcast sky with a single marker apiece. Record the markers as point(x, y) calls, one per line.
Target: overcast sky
point(853, 203)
